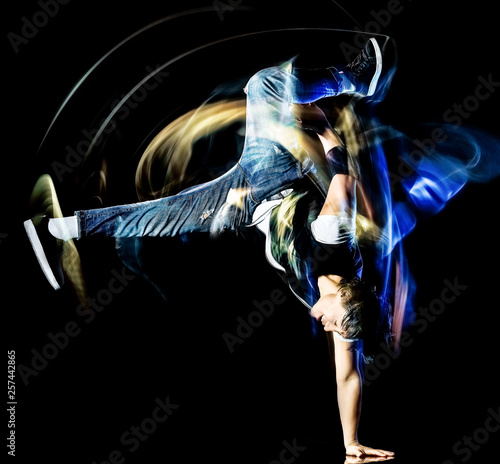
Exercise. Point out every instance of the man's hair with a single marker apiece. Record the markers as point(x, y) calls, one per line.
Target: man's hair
point(366, 317)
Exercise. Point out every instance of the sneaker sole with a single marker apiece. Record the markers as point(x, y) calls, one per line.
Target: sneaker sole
point(378, 68)
point(39, 253)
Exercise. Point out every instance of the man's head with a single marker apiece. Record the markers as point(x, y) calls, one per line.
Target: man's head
point(356, 313)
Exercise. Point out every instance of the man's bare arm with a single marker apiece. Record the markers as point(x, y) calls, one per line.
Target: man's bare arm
point(341, 197)
point(349, 392)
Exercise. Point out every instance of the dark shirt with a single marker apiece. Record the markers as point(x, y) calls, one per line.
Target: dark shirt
point(304, 258)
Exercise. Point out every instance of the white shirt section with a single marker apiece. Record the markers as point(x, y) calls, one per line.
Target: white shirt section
point(348, 340)
point(327, 228)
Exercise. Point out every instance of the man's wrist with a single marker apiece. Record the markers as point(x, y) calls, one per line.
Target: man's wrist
point(351, 442)
point(329, 139)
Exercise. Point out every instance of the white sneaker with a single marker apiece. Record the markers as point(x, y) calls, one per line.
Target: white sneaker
point(48, 250)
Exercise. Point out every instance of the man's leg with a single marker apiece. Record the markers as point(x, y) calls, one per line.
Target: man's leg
point(226, 202)
point(270, 94)
point(270, 133)
point(267, 166)
point(212, 207)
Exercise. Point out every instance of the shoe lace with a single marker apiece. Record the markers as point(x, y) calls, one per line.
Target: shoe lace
point(359, 64)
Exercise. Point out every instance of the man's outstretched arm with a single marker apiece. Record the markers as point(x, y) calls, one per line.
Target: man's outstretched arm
point(349, 393)
point(349, 390)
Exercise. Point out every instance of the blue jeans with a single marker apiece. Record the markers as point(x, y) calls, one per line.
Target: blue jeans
point(266, 167)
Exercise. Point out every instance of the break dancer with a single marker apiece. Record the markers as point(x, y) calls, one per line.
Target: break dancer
point(271, 172)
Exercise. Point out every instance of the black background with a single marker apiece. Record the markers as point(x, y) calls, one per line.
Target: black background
point(276, 386)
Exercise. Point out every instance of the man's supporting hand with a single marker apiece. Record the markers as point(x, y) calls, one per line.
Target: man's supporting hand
point(358, 450)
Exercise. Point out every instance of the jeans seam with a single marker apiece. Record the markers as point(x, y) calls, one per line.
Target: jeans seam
point(82, 224)
point(138, 206)
point(80, 227)
point(300, 172)
point(248, 182)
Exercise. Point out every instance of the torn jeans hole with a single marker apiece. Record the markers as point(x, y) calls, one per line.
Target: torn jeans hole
point(206, 214)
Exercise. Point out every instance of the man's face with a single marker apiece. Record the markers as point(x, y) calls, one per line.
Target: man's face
point(329, 311)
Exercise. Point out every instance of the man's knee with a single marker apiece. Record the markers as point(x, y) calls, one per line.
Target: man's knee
point(268, 82)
